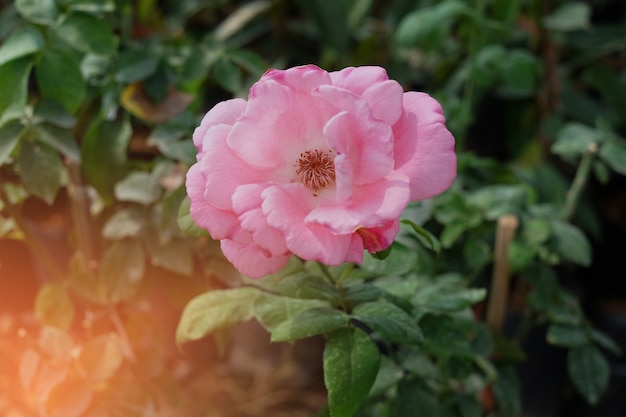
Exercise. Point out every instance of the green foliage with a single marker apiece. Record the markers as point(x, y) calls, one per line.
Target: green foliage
point(350, 366)
point(99, 101)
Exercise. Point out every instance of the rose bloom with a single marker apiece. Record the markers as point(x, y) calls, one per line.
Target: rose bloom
point(316, 164)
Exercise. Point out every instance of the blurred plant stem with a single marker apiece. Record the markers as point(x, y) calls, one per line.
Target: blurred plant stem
point(475, 43)
point(580, 179)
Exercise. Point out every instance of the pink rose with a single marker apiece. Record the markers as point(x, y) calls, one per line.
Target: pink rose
point(316, 164)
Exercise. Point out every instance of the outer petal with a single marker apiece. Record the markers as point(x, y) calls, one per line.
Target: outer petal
point(286, 207)
point(302, 79)
point(431, 165)
point(355, 253)
point(220, 223)
point(225, 171)
point(225, 112)
point(380, 238)
point(247, 203)
point(359, 79)
point(251, 260)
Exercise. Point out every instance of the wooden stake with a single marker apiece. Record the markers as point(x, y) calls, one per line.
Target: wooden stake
point(499, 293)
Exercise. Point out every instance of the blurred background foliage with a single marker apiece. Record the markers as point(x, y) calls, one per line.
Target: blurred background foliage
point(98, 254)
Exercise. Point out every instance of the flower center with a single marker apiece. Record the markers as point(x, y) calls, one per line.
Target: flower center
point(316, 169)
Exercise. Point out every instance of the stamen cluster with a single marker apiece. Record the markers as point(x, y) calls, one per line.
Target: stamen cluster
point(316, 169)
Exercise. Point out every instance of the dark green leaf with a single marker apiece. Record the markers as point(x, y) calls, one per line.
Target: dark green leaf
point(424, 234)
point(272, 310)
point(252, 62)
point(613, 152)
point(310, 323)
point(227, 74)
point(59, 78)
point(14, 86)
point(351, 363)
point(477, 252)
point(37, 11)
point(307, 286)
point(537, 231)
point(575, 138)
point(167, 138)
point(363, 292)
point(519, 72)
point(589, 372)
point(53, 113)
point(567, 336)
point(520, 255)
point(331, 17)
point(24, 41)
point(41, 170)
point(390, 321)
point(603, 340)
point(87, 33)
point(452, 232)
point(447, 293)
point(414, 399)
point(122, 270)
point(444, 335)
point(428, 26)
point(498, 200)
point(215, 310)
point(569, 16)
point(157, 85)
point(507, 390)
point(96, 70)
point(136, 65)
point(104, 154)
point(60, 139)
point(9, 137)
point(400, 261)
point(571, 243)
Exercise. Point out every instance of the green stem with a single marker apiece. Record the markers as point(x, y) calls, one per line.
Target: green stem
point(326, 272)
point(580, 179)
point(475, 43)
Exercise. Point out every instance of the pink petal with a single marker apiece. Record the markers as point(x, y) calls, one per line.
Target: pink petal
point(372, 205)
point(355, 253)
point(302, 79)
point(219, 223)
point(380, 238)
point(225, 112)
point(277, 125)
point(247, 203)
point(358, 79)
point(366, 142)
point(251, 260)
point(432, 164)
point(385, 101)
point(224, 171)
point(286, 207)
